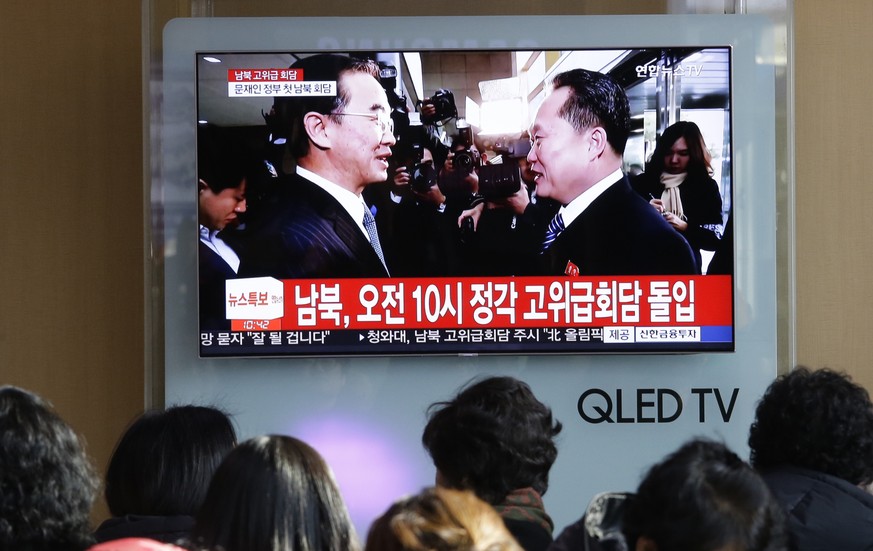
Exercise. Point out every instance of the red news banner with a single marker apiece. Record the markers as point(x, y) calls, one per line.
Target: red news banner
point(451, 303)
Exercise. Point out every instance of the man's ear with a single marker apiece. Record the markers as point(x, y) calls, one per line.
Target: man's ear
point(202, 186)
point(317, 129)
point(645, 544)
point(598, 142)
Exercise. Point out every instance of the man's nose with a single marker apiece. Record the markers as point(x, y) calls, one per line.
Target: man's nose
point(241, 206)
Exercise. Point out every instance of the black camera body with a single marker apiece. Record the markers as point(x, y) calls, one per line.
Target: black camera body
point(423, 177)
point(468, 159)
point(443, 102)
point(409, 151)
point(512, 148)
point(499, 181)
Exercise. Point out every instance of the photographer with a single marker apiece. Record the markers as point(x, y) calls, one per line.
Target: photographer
point(508, 219)
point(424, 242)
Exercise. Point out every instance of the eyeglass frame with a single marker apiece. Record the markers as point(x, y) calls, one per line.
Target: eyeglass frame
point(386, 123)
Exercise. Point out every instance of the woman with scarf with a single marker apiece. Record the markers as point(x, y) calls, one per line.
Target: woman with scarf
point(678, 183)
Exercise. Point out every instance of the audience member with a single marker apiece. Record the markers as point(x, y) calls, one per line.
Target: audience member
point(812, 440)
point(47, 484)
point(702, 497)
point(440, 519)
point(496, 439)
point(274, 493)
point(160, 470)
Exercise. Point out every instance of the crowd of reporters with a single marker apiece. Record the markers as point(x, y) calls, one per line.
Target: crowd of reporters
point(178, 479)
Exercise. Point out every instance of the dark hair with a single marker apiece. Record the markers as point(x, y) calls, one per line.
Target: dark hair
point(493, 437)
point(699, 159)
point(274, 493)
point(223, 160)
point(596, 100)
point(440, 519)
point(320, 67)
point(47, 485)
point(164, 461)
point(703, 497)
point(817, 420)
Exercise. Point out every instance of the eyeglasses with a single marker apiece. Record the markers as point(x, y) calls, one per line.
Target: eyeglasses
point(383, 119)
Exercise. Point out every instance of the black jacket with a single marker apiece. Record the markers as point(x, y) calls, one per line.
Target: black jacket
point(824, 512)
point(619, 234)
point(599, 529)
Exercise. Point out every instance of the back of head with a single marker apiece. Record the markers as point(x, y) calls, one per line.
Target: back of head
point(493, 437)
point(704, 498)
point(164, 461)
point(440, 519)
point(273, 493)
point(596, 100)
point(818, 420)
point(47, 485)
point(317, 68)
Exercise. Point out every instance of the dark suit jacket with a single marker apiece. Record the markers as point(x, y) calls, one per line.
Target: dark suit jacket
point(305, 233)
point(214, 272)
point(620, 234)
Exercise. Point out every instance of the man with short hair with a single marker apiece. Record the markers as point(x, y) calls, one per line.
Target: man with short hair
point(319, 226)
point(603, 227)
point(812, 441)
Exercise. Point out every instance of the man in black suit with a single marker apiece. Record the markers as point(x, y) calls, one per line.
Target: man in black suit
point(603, 227)
point(319, 226)
point(225, 172)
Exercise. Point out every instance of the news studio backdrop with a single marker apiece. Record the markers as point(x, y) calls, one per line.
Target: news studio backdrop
point(632, 366)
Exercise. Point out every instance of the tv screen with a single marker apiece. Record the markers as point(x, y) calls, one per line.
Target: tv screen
point(409, 206)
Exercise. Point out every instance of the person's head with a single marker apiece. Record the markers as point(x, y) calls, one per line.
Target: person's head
point(681, 149)
point(47, 484)
point(440, 519)
point(703, 497)
point(274, 493)
point(224, 164)
point(347, 136)
point(818, 420)
point(493, 437)
point(579, 134)
point(164, 461)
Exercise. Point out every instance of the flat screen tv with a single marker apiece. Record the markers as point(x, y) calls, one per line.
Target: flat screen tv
point(464, 270)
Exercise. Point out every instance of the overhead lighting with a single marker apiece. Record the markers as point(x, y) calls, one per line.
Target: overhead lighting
point(203, 121)
point(211, 59)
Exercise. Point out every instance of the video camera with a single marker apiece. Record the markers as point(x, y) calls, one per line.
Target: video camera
point(498, 181)
point(397, 102)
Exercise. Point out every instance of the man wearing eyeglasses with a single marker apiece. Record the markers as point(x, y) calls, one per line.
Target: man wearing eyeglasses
point(319, 226)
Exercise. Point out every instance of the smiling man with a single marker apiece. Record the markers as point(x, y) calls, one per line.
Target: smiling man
point(603, 227)
point(319, 225)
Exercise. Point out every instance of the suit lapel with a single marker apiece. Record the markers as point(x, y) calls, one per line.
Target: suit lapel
point(344, 226)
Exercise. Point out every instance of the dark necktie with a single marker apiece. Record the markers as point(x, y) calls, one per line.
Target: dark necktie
point(370, 226)
point(556, 226)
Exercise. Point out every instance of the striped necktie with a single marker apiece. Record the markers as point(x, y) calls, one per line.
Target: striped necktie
point(556, 226)
point(370, 226)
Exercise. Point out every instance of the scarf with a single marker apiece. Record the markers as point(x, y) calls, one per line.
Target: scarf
point(525, 504)
point(670, 197)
